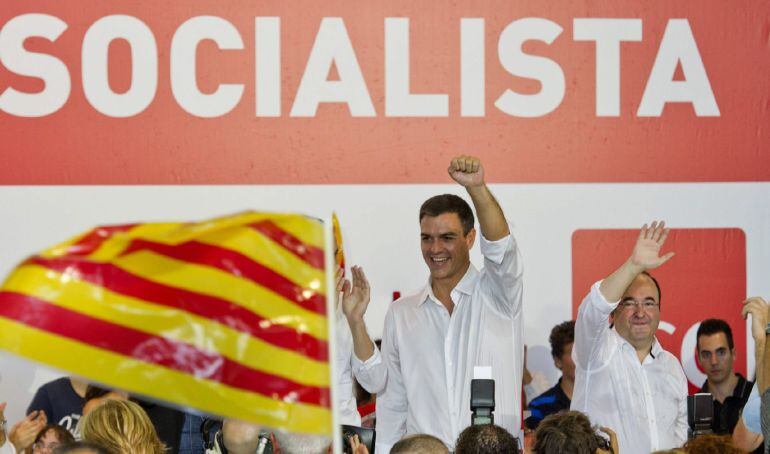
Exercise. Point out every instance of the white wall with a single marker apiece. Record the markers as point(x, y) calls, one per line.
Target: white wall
point(381, 234)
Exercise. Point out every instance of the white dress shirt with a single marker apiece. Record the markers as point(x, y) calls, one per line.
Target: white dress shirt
point(371, 374)
point(644, 403)
point(430, 355)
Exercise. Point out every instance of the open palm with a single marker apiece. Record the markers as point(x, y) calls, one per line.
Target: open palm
point(355, 295)
point(646, 254)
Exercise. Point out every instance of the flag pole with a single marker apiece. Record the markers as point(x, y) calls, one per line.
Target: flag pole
point(331, 314)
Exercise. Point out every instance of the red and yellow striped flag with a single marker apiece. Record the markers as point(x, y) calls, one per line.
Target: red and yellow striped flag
point(227, 316)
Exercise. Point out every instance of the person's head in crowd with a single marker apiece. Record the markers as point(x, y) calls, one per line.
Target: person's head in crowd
point(561, 339)
point(240, 437)
point(446, 236)
point(50, 437)
point(710, 444)
point(637, 316)
point(122, 427)
point(291, 443)
point(95, 395)
point(419, 444)
point(567, 432)
point(80, 447)
point(716, 350)
point(485, 439)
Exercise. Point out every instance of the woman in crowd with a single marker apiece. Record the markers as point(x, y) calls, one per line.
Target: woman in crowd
point(122, 427)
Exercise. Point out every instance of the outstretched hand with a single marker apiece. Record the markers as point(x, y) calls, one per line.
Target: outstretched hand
point(646, 253)
point(467, 171)
point(355, 295)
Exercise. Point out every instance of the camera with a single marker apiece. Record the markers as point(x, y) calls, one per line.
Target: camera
point(365, 436)
point(700, 414)
point(482, 401)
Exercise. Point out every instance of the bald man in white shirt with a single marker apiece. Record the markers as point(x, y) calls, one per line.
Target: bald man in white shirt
point(624, 380)
point(461, 319)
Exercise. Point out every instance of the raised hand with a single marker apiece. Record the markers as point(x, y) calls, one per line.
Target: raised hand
point(467, 171)
point(758, 308)
point(646, 253)
point(355, 295)
point(23, 433)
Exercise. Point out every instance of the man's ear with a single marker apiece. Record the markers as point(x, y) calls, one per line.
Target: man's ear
point(557, 362)
point(470, 238)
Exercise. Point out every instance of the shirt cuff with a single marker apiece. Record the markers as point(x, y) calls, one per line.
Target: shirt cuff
point(599, 302)
point(373, 360)
point(495, 250)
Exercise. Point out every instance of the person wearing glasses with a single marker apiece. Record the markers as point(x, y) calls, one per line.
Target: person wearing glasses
point(624, 379)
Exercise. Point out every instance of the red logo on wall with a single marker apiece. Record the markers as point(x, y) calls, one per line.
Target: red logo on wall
point(706, 279)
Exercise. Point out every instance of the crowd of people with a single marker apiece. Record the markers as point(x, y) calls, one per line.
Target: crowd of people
point(619, 390)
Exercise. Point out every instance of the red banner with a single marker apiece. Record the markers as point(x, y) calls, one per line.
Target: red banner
point(202, 91)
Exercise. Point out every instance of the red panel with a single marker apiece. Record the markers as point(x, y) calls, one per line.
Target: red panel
point(166, 145)
point(706, 278)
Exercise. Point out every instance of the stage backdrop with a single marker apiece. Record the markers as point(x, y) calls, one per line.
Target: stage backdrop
point(591, 119)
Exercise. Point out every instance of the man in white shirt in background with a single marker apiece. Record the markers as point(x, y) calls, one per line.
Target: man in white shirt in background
point(461, 319)
point(624, 379)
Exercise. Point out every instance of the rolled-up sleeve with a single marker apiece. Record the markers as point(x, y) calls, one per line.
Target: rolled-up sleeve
point(503, 270)
point(591, 326)
point(372, 374)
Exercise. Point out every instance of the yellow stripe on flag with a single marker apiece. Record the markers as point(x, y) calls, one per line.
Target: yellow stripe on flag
point(166, 322)
point(116, 244)
point(254, 245)
point(123, 372)
point(220, 284)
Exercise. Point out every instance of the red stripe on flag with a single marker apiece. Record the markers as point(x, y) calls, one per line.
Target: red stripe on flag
point(153, 349)
point(236, 317)
point(236, 264)
point(91, 242)
point(310, 254)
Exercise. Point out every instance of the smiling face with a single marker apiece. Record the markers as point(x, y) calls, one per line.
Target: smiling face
point(638, 314)
point(445, 248)
point(716, 357)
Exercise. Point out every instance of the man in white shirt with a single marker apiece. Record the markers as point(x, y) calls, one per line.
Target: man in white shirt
point(624, 379)
point(461, 319)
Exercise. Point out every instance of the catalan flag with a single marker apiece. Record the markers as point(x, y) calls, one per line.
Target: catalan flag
point(227, 316)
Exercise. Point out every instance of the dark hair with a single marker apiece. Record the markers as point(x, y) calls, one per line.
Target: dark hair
point(566, 432)
point(420, 443)
point(63, 435)
point(712, 326)
point(449, 203)
point(75, 447)
point(561, 335)
point(95, 392)
point(486, 439)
